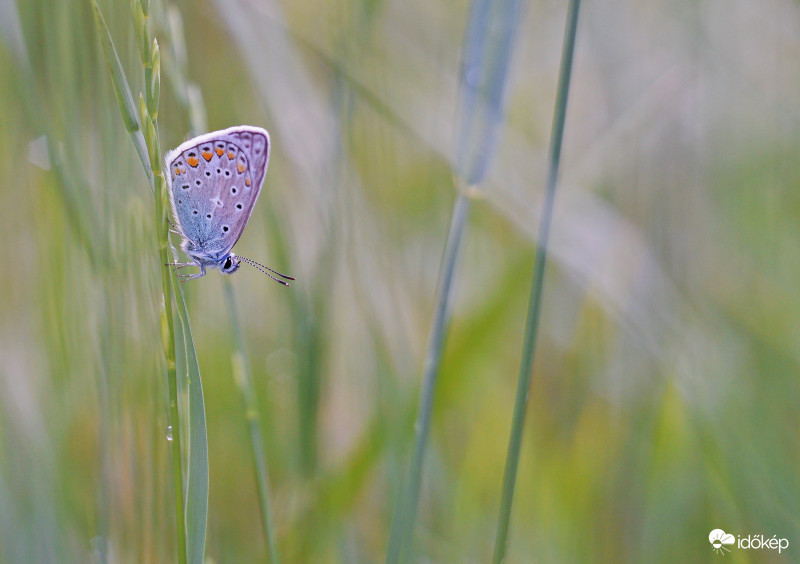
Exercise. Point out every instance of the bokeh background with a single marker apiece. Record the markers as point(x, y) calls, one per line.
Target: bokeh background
point(664, 401)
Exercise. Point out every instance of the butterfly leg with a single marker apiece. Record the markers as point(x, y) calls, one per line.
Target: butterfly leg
point(173, 228)
point(185, 277)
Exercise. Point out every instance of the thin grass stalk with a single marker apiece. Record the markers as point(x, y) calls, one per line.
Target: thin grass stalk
point(244, 380)
point(150, 127)
point(534, 307)
point(197, 476)
point(485, 61)
point(168, 334)
point(401, 533)
point(143, 123)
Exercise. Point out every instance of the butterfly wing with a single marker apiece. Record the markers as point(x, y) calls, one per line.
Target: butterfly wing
point(215, 180)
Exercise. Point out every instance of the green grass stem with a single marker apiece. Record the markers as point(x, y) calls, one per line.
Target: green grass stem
point(244, 381)
point(534, 307)
point(485, 60)
point(401, 533)
point(168, 334)
point(191, 495)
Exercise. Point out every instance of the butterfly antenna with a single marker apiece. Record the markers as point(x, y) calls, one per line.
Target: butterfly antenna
point(264, 269)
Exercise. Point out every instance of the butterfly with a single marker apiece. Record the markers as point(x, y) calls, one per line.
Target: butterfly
point(214, 181)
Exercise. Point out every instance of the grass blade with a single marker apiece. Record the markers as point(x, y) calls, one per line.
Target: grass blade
point(197, 471)
point(195, 498)
point(532, 325)
point(485, 61)
point(486, 55)
point(243, 377)
point(400, 536)
point(127, 107)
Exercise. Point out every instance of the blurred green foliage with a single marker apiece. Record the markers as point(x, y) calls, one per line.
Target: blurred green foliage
point(665, 389)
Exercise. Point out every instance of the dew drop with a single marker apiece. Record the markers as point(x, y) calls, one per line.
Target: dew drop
point(169, 433)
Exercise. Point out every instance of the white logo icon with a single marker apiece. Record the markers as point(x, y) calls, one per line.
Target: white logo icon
point(718, 539)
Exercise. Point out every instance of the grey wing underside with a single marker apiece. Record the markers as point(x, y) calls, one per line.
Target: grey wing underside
point(215, 181)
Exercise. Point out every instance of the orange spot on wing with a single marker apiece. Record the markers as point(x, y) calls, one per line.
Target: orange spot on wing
point(193, 162)
point(220, 151)
point(247, 181)
point(240, 167)
point(207, 155)
point(230, 155)
point(183, 171)
point(177, 171)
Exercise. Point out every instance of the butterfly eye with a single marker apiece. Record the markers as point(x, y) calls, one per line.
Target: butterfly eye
point(227, 264)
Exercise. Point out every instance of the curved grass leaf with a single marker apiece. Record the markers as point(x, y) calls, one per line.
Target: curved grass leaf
point(197, 470)
point(243, 377)
point(127, 108)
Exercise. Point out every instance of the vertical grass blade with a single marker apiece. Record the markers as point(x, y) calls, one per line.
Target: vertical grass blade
point(197, 471)
point(191, 502)
point(241, 370)
point(168, 330)
point(401, 534)
point(485, 60)
point(488, 45)
point(532, 324)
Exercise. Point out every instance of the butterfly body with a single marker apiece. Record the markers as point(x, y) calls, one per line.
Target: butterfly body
point(214, 182)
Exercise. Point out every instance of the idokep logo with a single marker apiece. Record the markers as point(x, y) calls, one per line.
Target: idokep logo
point(720, 540)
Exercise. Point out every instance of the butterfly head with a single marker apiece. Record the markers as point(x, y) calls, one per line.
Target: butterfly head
point(229, 264)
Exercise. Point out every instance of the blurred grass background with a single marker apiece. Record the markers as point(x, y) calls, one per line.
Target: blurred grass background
point(665, 389)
